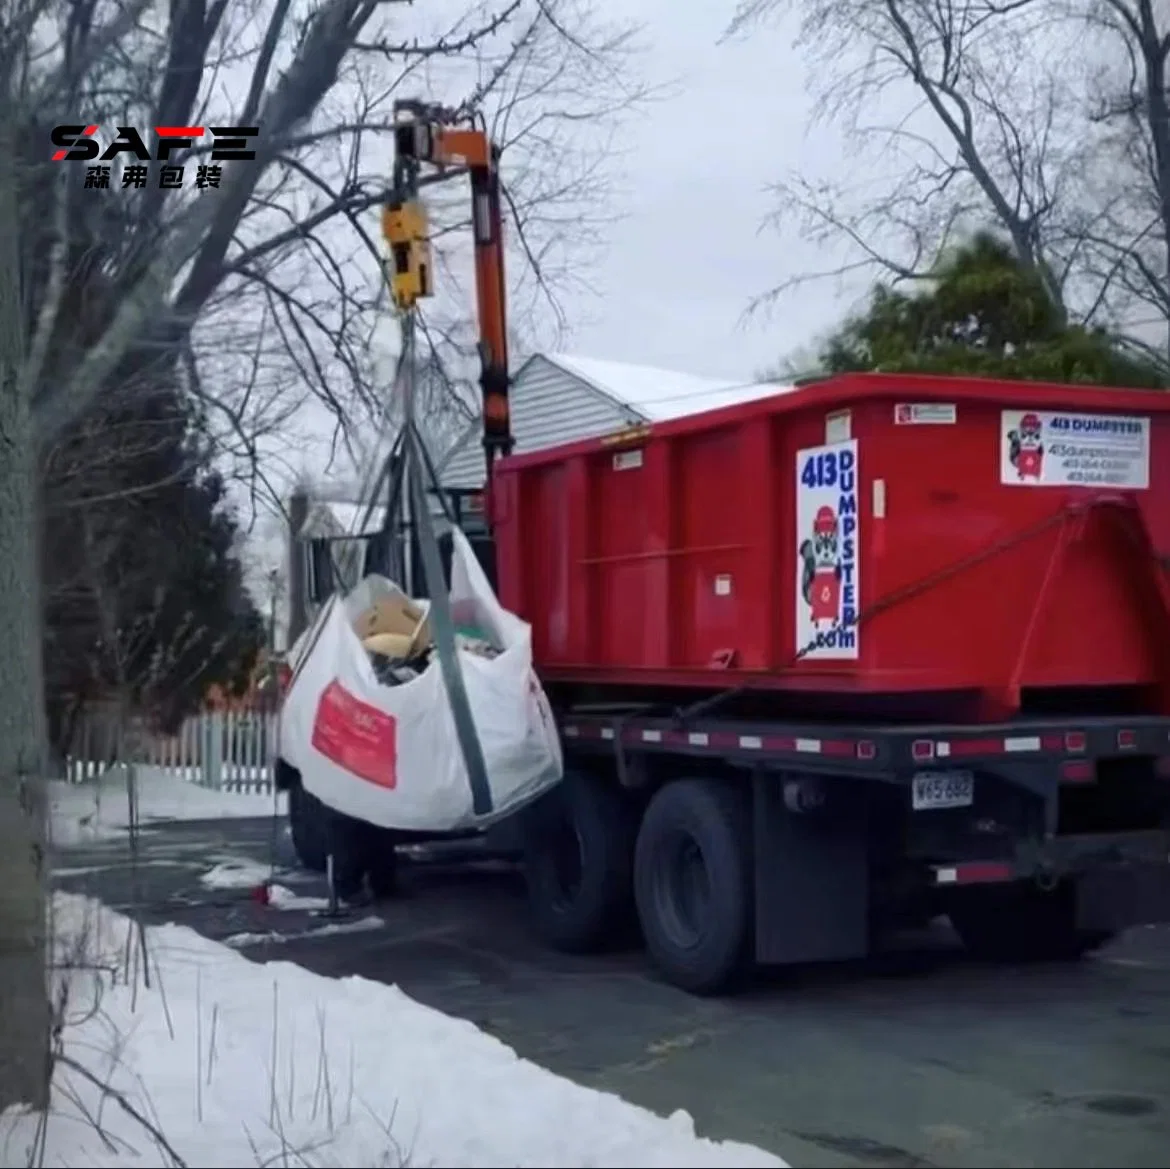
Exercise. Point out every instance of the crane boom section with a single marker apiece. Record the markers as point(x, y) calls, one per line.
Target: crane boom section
point(428, 135)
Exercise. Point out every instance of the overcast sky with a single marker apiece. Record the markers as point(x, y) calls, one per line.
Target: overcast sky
point(684, 264)
point(690, 249)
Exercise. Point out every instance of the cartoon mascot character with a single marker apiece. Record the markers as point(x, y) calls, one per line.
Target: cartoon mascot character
point(821, 577)
point(1026, 447)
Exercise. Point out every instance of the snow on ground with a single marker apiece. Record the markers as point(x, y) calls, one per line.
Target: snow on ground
point(237, 873)
point(100, 809)
point(282, 897)
point(359, 925)
point(243, 873)
point(224, 1062)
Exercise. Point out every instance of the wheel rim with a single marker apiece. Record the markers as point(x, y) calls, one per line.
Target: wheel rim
point(682, 891)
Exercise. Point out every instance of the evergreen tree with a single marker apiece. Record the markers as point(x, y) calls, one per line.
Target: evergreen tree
point(985, 314)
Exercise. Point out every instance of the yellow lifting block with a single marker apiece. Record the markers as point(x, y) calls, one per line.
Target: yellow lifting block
point(404, 227)
point(403, 223)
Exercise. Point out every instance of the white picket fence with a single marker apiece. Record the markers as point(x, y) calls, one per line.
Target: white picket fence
point(226, 751)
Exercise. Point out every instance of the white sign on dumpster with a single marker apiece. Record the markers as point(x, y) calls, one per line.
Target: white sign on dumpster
point(828, 546)
point(1039, 448)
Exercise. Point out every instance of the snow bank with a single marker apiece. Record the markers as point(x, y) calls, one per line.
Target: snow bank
point(233, 1063)
point(97, 810)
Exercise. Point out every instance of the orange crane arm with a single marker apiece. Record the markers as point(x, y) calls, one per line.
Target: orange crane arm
point(424, 134)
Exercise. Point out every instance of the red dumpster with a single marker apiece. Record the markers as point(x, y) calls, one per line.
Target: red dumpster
point(869, 534)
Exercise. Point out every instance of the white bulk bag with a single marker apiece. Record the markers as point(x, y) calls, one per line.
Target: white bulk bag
point(390, 755)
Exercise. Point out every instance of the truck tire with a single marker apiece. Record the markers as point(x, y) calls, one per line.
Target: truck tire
point(306, 820)
point(578, 848)
point(1022, 923)
point(693, 884)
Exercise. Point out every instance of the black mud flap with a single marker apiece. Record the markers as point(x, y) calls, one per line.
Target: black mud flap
point(812, 883)
point(1117, 897)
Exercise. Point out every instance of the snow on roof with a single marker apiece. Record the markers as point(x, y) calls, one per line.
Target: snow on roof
point(334, 518)
point(358, 517)
point(662, 394)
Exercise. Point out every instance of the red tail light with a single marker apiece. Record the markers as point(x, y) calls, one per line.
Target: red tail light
point(1078, 771)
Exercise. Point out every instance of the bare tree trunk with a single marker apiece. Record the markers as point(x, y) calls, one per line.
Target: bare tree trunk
point(24, 1011)
point(24, 1004)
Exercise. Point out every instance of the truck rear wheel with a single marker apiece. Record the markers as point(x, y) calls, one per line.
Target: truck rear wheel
point(306, 821)
point(693, 884)
point(578, 847)
point(1021, 923)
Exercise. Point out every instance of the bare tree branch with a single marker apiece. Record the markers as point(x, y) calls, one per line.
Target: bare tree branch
point(1046, 119)
point(261, 293)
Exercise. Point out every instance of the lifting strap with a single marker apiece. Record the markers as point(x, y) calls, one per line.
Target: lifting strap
point(416, 466)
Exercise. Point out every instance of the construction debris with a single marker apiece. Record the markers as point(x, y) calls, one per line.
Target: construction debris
point(396, 634)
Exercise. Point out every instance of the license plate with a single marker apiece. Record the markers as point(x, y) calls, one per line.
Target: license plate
point(943, 789)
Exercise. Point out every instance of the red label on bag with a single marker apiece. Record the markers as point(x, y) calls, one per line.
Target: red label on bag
point(356, 736)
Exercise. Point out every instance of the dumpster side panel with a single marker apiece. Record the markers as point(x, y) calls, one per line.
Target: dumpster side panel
point(725, 502)
point(678, 557)
point(998, 584)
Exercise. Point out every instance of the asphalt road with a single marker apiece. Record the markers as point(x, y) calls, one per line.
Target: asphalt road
point(919, 1059)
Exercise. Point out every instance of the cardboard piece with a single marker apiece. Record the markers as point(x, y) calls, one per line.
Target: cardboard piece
point(389, 645)
point(400, 618)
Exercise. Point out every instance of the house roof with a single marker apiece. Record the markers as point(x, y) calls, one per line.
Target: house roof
point(661, 394)
point(328, 517)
